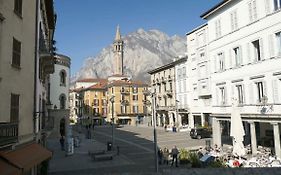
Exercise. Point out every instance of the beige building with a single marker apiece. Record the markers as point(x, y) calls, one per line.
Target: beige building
point(163, 84)
point(24, 70)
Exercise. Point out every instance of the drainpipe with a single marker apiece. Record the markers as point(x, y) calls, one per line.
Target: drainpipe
point(35, 70)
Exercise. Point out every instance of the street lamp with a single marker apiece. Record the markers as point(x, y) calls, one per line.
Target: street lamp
point(153, 96)
point(112, 117)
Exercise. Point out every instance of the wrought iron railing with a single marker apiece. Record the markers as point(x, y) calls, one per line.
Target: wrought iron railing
point(8, 133)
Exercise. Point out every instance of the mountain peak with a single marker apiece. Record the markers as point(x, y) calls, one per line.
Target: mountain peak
point(143, 51)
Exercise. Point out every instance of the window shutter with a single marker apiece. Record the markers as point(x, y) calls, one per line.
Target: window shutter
point(250, 12)
point(251, 93)
point(215, 64)
point(233, 95)
point(271, 45)
point(254, 5)
point(250, 59)
point(223, 60)
point(230, 60)
point(264, 88)
point(267, 7)
point(275, 85)
point(261, 49)
point(217, 96)
point(241, 55)
point(225, 95)
point(232, 21)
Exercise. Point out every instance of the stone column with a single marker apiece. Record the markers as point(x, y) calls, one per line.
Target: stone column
point(179, 120)
point(216, 132)
point(276, 133)
point(190, 120)
point(202, 119)
point(164, 119)
point(253, 137)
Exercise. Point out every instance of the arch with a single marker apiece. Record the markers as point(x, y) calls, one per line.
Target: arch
point(62, 77)
point(62, 99)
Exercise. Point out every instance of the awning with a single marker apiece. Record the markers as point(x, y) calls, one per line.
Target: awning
point(124, 117)
point(8, 169)
point(27, 157)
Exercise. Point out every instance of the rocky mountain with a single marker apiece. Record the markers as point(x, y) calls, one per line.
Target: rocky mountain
point(143, 51)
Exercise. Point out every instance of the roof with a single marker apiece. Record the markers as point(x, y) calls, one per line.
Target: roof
point(92, 80)
point(197, 28)
point(167, 66)
point(215, 8)
point(126, 83)
point(99, 86)
point(27, 156)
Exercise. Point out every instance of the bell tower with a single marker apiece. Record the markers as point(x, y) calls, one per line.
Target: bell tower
point(118, 45)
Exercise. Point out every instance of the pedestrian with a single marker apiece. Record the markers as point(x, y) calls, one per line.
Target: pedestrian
point(175, 153)
point(62, 143)
point(160, 156)
point(165, 128)
point(166, 156)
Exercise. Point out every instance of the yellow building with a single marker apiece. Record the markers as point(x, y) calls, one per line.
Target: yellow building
point(128, 102)
point(95, 101)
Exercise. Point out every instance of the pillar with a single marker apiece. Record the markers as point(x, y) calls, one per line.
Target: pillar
point(190, 120)
point(179, 120)
point(158, 119)
point(276, 133)
point(216, 132)
point(253, 137)
point(202, 119)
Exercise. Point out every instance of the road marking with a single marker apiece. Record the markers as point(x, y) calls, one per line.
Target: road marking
point(131, 143)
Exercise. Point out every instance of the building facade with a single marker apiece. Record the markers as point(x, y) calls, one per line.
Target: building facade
point(26, 60)
point(244, 49)
point(199, 77)
point(163, 85)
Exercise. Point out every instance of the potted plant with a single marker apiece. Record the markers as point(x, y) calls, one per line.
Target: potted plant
point(194, 160)
point(183, 156)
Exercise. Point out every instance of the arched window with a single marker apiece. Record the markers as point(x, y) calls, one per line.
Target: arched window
point(62, 77)
point(62, 101)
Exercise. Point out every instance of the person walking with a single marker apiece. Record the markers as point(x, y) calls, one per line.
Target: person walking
point(160, 156)
point(175, 153)
point(166, 156)
point(62, 143)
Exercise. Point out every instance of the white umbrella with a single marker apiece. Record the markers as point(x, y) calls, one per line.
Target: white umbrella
point(237, 130)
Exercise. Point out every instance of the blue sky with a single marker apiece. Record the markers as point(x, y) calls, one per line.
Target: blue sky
point(84, 27)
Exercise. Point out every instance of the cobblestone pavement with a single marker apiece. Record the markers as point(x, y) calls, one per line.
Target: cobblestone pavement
point(136, 154)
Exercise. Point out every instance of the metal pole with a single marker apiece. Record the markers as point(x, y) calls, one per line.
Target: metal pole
point(154, 132)
point(112, 107)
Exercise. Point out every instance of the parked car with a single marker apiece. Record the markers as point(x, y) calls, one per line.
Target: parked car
point(198, 133)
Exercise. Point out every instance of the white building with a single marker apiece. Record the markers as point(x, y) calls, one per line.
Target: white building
point(60, 82)
point(181, 91)
point(245, 52)
point(198, 77)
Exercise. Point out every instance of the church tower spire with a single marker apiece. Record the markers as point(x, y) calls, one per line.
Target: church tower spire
point(118, 45)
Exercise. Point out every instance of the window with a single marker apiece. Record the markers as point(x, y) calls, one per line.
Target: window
point(112, 90)
point(202, 55)
point(240, 94)
point(135, 89)
point(165, 87)
point(96, 102)
point(179, 73)
point(62, 78)
point(104, 111)
point(278, 42)
point(135, 97)
point(252, 11)
point(233, 20)
point(123, 109)
point(222, 95)
point(171, 86)
point(218, 28)
point(135, 109)
point(260, 90)
point(14, 113)
point(62, 101)
point(16, 53)
point(159, 88)
point(237, 56)
point(122, 97)
point(257, 50)
point(184, 72)
point(221, 61)
point(18, 7)
point(277, 4)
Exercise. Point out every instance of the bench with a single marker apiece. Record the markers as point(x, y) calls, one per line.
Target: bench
point(94, 153)
point(103, 157)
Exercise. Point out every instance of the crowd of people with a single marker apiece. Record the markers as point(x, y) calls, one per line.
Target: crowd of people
point(164, 156)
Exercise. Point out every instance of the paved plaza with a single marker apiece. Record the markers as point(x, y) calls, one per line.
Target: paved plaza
point(136, 153)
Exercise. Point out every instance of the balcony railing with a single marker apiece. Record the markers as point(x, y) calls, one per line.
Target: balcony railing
point(8, 133)
point(125, 92)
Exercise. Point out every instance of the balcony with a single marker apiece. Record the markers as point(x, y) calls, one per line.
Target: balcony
point(47, 64)
point(8, 133)
point(163, 80)
point(125, 92)
point(169, 93)
point(124, 102)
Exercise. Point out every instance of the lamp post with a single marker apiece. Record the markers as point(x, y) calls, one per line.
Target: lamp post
point(153, 97)
point(112, 118)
